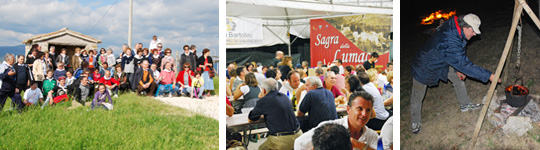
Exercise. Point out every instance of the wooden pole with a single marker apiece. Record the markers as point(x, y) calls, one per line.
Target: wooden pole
point(489, 95)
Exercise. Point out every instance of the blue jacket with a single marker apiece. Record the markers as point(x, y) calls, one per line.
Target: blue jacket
point(446, 48)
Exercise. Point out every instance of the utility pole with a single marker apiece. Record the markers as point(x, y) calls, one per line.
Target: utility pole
point(130, 22)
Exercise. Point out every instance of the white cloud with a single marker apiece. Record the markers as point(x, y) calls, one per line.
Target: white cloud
point(175, 22)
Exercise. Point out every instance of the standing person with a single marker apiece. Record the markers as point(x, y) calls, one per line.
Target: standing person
point(31, 57)
point(285, 67)
point(111, 61)
point(128, 65)
point(76, 60)
point(8, 84)
point(443, 57)
point(160, 50)
point(187, 57)
point(277, 59)
point(166, 81)
point(193, 50)
point(144, 82)
point(49, 62)
point(279, 117)
point(52, 56)
point(169, 59)
point(24, 75)
point(84, 55)
point(370, 63)
point(205, 62)
point(39, 69)
point(102, 56)
point(340, 66)
point(63, 57)
point(183, 80)
point(100, 98)
point(154, 42)
point(92, 61)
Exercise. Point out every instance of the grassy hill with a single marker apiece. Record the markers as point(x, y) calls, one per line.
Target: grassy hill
point(135, 123)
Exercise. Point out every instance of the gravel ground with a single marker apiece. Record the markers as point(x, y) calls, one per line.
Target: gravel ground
point(208, 107)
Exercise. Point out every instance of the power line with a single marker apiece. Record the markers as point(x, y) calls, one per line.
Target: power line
point(104, 14)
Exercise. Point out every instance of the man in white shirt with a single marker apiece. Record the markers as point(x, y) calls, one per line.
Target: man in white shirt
point(378, 103)
point(154, 42)
point(292, 84)
point(360, 111)
point(32, 95)
point(338, 63)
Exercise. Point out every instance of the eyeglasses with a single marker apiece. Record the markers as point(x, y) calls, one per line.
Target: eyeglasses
point(160, 47)
point(186, 66)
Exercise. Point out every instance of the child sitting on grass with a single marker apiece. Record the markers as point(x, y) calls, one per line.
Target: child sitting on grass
point(32, 95)
point(197, 83)
point(101, 97)
point(49, 83)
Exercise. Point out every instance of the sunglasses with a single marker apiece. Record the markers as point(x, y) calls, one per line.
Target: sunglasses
point(186, 66)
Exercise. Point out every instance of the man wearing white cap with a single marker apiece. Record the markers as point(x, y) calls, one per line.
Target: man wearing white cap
point(443, 57)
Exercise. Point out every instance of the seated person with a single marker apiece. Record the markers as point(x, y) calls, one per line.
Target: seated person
point(166, 81)
point(95, 76)
point(69, 78)
point(319, 102)
point(183, 80)
point(249, 90)
point(48, 83)
point(360, 110)
point(57, 94)
point(144, 81)
point(121, 77)
point(331, 136)
point(110, 83)
point(100, 98)
point(197, 83)
point(155, 73)
point(105, 67)
point(279, 117)
point(81, 89)
point(60, 71)
point(32, 95)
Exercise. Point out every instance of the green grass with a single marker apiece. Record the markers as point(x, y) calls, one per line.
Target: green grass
point(216, 86)
point(135, 123)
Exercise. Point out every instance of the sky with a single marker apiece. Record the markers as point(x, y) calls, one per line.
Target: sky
point(175, 22)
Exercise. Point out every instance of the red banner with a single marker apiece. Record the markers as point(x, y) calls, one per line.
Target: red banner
point(328, 44)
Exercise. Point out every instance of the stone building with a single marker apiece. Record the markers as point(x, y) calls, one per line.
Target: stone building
point(63, 38)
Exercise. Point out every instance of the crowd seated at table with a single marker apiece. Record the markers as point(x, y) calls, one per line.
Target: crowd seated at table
point(294, 105)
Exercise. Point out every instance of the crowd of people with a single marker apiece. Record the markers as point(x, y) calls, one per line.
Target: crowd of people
point(47, 77)
point(282, 93)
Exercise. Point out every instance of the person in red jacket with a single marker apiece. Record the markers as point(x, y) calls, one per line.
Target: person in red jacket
point(110, 83)
point(183, 80)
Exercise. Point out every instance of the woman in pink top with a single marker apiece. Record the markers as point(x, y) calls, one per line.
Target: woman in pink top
point(166, 81)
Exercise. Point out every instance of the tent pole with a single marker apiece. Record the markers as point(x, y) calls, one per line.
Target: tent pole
point(489, 95)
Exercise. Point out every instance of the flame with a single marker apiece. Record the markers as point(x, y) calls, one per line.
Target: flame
point(436, 16)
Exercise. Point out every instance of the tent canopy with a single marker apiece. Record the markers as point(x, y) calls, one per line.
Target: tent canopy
point(281, 17)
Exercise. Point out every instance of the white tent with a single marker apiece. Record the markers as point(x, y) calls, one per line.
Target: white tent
point(281, 17)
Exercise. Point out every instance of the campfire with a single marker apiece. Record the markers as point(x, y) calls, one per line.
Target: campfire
point(511, 119)
point(436, 16)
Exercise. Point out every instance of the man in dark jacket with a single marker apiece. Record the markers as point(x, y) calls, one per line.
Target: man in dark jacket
point(8, 84)
point(444, 57)
point(144, 81)
point(188, 57)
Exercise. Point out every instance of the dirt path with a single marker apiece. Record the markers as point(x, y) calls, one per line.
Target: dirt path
point(208, 107)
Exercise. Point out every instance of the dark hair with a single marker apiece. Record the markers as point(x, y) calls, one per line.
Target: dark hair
point(360, 69)
point(184, 48)
point(40, 54)
point(389, 63)
point(239, 70)
point(339, 60)
point(375, 55)
point(251, 80)
point(168, 49)
point(197, 72)
point(204, 50)
point(254, 69)
point(319, 71)
point(364, 77)
point(335, 69)
point(32, 83)
point(291, 73)
point(348, 68)
point(331, 136)
point(354, 83)
point(104, 63)
point(271, 73)
point(188, 64)
point(365, 95)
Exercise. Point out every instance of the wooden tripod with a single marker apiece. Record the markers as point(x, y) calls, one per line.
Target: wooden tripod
point(519, 6)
